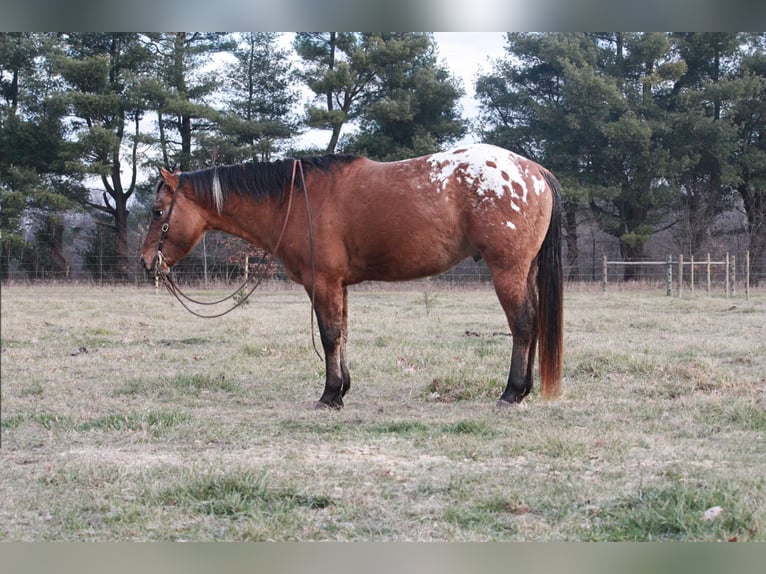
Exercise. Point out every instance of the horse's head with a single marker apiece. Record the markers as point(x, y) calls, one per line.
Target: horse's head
point(176, 227)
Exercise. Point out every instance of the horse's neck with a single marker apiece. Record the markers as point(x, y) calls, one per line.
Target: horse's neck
point(258, 223)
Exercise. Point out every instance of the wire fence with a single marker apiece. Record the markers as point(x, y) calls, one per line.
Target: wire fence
point(681, 274)
point(726, 275)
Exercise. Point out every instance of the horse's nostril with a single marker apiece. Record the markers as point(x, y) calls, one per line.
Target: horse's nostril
point(147, 268)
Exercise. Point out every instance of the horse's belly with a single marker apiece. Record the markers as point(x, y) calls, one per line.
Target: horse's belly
point(408, 260)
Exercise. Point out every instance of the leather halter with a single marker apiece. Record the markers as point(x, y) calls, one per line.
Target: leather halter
point(165, 227)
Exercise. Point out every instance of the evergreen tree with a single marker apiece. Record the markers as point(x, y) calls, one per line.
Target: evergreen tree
point(584, 106)
point(404, 100)
point(411, 107)
point(188, 82)
point(700, 135)
point(34, 188)
point(338, 70)
point(546, 101)
point(104, 73)
point(749, 117)
point(631, 167)
point(260, 99)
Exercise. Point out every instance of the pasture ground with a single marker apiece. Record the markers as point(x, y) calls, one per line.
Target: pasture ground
point(126, 418)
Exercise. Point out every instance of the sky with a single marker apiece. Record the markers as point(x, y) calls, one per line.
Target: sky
point(466, 54)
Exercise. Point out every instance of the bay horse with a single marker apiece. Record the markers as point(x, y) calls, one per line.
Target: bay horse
point(364, 220)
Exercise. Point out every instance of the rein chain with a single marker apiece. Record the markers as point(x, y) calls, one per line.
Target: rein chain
point(182, 297)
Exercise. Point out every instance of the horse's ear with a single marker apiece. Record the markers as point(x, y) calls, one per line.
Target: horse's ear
point(170, 178)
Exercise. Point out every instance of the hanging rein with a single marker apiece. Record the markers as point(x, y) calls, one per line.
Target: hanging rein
point(183, 298)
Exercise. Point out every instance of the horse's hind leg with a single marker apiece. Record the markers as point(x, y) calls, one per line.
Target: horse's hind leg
point(518, 299)
point(345, 375)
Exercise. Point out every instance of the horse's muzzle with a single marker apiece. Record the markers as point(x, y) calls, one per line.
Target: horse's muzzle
point(158, 266)
point(148, 268)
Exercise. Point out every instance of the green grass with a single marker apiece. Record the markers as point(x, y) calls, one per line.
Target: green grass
point(190, 385)
point(675, 512)
point(154, 421)
point(238, 495)
point(172, 428)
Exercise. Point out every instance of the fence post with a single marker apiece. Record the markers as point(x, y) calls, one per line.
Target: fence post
point(747, 275)
point(247, 268)
point(727, 275)
point(604, 280)
point(708, 274)
point(691, 269)
point(733, 275)
point(680, 274)
point(669, 278)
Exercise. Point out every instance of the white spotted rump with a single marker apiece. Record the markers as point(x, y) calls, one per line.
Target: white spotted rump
point(494, 173)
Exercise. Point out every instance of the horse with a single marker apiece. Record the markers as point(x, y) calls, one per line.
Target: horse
point(337, 220)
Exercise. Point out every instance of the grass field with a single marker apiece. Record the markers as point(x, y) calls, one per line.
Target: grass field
point(126, 418)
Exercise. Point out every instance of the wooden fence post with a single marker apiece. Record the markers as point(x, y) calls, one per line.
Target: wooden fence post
point(708, 274)
point(669, 278)
point(604, 280)
point(691, 269)
point(727, 275)
point(680, 275)
point(747, 275)
point(733, 275)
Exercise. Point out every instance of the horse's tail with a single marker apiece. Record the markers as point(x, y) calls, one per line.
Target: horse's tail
point(550, 287)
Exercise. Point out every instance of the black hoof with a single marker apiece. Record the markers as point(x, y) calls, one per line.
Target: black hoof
point(505, 403)
point(335, 405)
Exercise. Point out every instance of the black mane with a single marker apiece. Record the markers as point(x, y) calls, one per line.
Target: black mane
point(259, 180)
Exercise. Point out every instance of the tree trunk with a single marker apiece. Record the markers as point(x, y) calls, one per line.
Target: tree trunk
point(755, 208)
point(57, 260)
point(573, 253)
point(631, 251)
point(334, 138)
point(121, 248)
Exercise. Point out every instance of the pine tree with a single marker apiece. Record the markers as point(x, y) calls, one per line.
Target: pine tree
point(411, 107)
point(260, 98)
point(104, 73)
point(188, 82)
point(34, 183)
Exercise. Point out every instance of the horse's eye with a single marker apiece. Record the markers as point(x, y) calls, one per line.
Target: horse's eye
point(158, 213)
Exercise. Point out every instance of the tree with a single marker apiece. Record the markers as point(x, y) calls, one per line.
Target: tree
point(34, 189)
point(338, 70)
point(186, 81)
point(700, 135)
point(104, 74)
point(632, 167)
point(749, 117)
point(260, 100)
point(404, 100)
point(547, 102)
point(410, 108)
point(584, 105)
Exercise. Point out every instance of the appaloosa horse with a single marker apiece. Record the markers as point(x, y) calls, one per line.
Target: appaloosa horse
point(337, 220)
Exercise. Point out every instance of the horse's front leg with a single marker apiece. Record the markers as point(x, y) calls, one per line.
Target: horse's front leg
point(346, 376)
point(329, 309)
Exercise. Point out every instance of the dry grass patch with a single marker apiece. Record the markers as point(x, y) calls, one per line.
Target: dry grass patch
point(123, 417)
